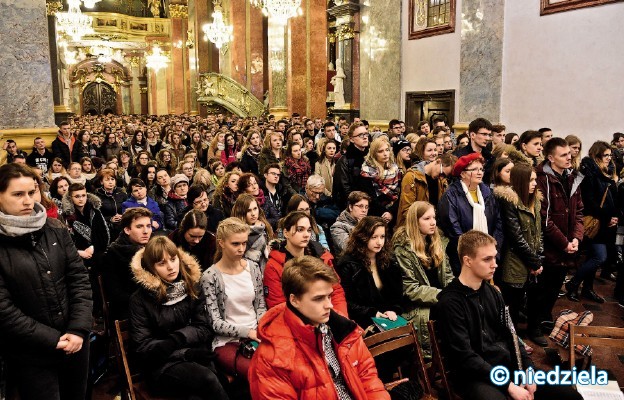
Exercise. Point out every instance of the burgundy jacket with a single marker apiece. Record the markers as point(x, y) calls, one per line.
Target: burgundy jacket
point(562, 217)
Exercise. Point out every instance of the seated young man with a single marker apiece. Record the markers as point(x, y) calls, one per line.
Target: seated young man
point(139, 198)
point(286, 368)
point(472, 323)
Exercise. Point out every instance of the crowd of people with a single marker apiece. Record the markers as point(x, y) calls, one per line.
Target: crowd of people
point(261, 249)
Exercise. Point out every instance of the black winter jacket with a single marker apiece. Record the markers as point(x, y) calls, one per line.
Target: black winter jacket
point(184, 323)
point(364, 300)
point(476, 338)
point(174, 210)
point(116, 275)
point(593, 187)
point(111, 205)
point(347, 177)
point(44, 293)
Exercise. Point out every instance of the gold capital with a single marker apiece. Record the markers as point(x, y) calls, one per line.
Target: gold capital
point(178, 11)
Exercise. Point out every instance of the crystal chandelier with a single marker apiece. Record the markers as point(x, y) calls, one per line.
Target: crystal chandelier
point(73, 22)
point(90, 3)
point(217, 31)
point(104, 54)
point(157, 59)
point(280, 10)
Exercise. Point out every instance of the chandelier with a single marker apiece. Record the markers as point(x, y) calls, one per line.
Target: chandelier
point(217, 31)
point(90, 3)
point(104, 54)
point(73, 22)
point(157, 59)
point(280, 10)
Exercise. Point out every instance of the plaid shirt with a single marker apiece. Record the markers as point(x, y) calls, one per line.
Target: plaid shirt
point(561, 332)
point(297, 171)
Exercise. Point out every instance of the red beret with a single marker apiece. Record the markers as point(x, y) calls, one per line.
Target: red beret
point(464, 161)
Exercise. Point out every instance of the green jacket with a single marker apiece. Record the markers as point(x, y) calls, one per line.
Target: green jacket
point(523, 247)
point(419, 295)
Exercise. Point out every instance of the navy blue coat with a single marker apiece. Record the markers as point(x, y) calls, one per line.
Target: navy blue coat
point(455, 218)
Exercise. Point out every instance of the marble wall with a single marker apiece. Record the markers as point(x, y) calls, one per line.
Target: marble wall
point(481, 59)
point(380, 60)
point(26, 100)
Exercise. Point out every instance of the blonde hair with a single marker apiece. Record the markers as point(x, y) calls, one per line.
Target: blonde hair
point(266, 144)
point(374, 148)
point(430, 256)
point(202, 176)
point(228, 227)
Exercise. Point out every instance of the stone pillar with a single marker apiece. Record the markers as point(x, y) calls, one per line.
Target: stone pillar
point(348, 51)
point(26, 103)
point(480, 82)
point(203, 56)
point(178, 72)
point(380, 61)
point(278, 60)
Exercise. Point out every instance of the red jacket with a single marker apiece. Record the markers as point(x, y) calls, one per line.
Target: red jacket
point(290, 365)
point(273, 276)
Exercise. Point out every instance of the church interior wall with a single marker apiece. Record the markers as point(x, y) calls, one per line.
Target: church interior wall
point(564, 70)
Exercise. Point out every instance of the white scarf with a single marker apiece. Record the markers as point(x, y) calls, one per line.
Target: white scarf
point(479, 221)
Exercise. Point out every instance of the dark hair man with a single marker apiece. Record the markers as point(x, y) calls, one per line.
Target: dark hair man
point(472, 320)
point(40, 157)
point(290, 362)
point(63, 145)
point(136, 224)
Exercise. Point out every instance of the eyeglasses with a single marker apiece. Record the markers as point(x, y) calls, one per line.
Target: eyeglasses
point(317, 194)
point(607, 155)
point(198, 202)
point(361, 135)
point(474, 170)
point(485, 134)
point(361, 206)
point(275, 173)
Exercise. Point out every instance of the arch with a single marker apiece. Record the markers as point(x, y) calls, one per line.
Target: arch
point(99, 98)
point(213, 88)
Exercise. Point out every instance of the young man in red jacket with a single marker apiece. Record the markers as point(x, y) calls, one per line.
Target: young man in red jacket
point(327, 360)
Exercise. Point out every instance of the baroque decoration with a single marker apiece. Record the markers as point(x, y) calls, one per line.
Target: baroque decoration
point(178, 11)
point(156, 59)
point(213, 88)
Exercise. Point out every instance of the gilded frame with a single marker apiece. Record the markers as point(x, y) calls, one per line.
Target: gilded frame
point(434, 30)
point(550, 7)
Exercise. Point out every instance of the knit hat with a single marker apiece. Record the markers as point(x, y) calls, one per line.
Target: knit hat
point(464, 161)
point(179, 178)
point(399, 145)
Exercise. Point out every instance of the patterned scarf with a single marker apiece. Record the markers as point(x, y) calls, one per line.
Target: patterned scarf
point(176, 292)
point(254, 151)
point(333, 363)
point(260, 199)
point(388, 185)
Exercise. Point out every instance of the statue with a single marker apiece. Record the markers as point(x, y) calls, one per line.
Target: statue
point(338, 82)
point(154, 6)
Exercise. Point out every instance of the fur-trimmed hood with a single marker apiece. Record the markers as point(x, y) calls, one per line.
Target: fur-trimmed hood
point(68, 206)
point(151, 282)
point(509, 194)
point(518, 157)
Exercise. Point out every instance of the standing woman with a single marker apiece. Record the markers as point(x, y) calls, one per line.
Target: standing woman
point(520, 205)
point(83, 147)
point(233, 289)
point(371, 282)
point(272, 152)
point(246, 209)
point(530, 144)
point(501, 172)
point(575, 150)
point(250, 152)
point(169, 324)
point(599, 183)
point(467, 204)
point(296, 166)
point(326, 164)
point(45, 296)
point(228, 154)
point(111, 147)
point(382, 179)
point(419, 250)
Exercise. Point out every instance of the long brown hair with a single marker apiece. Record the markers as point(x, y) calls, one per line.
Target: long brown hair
point(358, 242)
point(155, 251)
point(241, 206)
point(519, 180)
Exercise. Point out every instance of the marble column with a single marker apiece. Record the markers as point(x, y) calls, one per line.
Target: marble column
point(380, 61)
point(481, 59)
point(203, 56)
point(347, 46)
point(278, 60)
point(26, 103)
point(238, 47)
point(257, 63)
point(179, 92)
point(297, 68)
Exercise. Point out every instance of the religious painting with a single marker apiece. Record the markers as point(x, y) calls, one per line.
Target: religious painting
point(430, 18)
point(555, 6)
point(105, 22)
point(134, 26)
